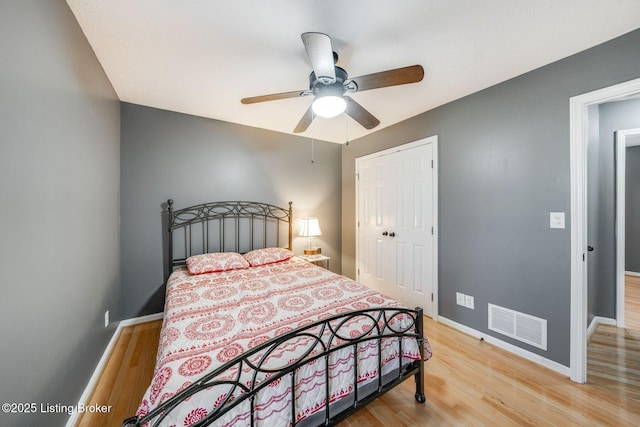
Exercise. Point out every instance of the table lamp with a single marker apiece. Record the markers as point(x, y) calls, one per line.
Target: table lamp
point(310, 228)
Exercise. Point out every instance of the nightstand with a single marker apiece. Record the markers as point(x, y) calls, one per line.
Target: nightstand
point(317, 259)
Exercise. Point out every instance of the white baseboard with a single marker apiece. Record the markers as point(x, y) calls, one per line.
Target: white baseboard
point(536, 358)
point(598, 320)
point(632, 273)
point(141, 319)
point(73, 418)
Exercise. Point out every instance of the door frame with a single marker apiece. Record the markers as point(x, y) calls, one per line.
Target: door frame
point(434, 195)
point(578, 106)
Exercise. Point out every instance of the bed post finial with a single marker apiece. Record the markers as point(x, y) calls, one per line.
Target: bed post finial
point(170, 214)
point(290, 225)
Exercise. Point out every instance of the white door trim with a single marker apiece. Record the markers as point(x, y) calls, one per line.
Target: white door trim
point(621, 157)
point(434, 191)
point(578, 170)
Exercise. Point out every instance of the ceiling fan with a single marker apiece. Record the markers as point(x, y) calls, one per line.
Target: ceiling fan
point(329, 85)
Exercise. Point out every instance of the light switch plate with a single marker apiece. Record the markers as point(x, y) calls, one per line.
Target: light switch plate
point(459, 298)
point(556, 220)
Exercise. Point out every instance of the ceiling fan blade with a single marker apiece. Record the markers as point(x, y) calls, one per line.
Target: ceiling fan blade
point(273, 97)
point(318, 46)
point(358, 113)
point(398, 76)
point(305, 121)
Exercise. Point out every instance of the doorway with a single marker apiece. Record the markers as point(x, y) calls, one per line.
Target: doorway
point(578, 167)
point(624, 139)
point(396, 230)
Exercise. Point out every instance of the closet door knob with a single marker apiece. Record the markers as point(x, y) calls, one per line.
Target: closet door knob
point(385, 233)
point(590, 248)
point(392, 234)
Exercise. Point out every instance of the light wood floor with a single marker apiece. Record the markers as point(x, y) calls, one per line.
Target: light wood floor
point(126, 376)
point(468, 382)
point(613, 358)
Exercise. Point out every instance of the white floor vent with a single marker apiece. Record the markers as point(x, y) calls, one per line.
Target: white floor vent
point(523, 327)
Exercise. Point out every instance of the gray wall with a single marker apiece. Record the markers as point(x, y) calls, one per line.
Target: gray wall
point(612, 116)
point(195, 160)
point(632, 205)
point(504, 165)
point(59, 175)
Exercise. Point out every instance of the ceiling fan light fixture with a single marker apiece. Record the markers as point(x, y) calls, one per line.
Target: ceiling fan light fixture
point(329, 106)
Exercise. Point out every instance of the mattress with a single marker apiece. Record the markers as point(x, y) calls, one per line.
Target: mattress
point(212, 318)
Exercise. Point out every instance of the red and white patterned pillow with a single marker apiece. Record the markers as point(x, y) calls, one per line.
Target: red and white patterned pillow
point(267, 256)
point(214, 262)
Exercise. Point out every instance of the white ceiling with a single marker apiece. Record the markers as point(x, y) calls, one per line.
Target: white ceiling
point(201, 57)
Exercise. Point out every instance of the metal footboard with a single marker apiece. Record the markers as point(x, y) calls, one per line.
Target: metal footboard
point(325, 337)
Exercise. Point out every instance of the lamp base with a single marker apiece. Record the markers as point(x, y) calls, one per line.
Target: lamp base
point(313, 251)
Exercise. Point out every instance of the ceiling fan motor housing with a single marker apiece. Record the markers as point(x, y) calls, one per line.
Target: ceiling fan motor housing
point(319, 85)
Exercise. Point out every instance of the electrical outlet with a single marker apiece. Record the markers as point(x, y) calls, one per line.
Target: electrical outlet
point(459, 298)
point(468, 302)
point(106, 318)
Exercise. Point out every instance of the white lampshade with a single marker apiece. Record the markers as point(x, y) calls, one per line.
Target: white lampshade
point(328, 106)
point(310, 227)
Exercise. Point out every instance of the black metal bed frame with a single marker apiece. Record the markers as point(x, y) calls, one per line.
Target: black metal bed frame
point(326, 336)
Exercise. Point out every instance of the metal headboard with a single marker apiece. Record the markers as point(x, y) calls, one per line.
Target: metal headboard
point(205, 228)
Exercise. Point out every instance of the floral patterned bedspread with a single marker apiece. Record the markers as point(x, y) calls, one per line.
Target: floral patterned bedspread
point(212, 318)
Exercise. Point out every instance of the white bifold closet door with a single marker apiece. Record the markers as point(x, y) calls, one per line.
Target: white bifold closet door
point(395, 209)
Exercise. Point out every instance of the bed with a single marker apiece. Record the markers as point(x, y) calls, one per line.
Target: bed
point(254, 336)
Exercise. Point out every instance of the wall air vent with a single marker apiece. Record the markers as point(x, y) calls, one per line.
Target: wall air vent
point(520, 326)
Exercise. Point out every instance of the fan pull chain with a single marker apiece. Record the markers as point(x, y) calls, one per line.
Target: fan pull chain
point(346, 121)
point(313, 140)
